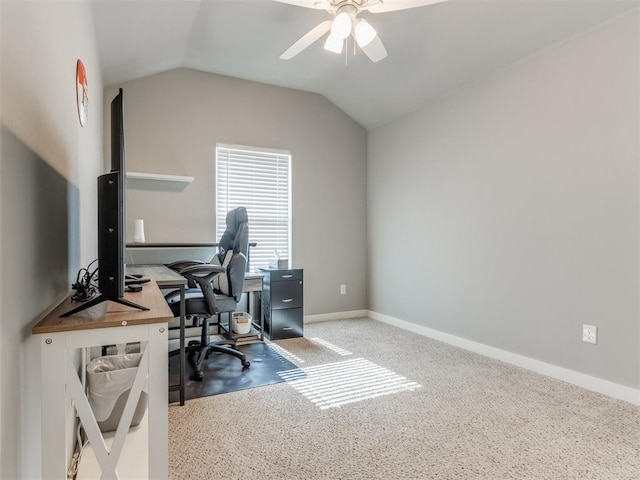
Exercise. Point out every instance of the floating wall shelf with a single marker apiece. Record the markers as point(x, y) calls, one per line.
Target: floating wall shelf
point(158, 182)
point(159, 177)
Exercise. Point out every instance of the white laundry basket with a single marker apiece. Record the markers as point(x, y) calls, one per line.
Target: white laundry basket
point(110, 379)
point(241, 323)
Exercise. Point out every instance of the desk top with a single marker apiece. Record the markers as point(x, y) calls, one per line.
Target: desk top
point(108, 314)
point(164, 276)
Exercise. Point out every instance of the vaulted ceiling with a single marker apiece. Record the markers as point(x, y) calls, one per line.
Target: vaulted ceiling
point(432, 50)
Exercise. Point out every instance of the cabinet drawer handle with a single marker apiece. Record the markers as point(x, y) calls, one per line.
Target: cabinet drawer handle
point(287, 328)
point(287, 276)
point(287, 300)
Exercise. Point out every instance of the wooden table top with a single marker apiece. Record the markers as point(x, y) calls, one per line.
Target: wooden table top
point(109, 314)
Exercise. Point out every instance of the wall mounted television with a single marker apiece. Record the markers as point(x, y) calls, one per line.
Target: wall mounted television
point(111, 219)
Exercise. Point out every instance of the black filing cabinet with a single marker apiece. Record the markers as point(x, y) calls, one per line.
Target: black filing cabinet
point(282, 303)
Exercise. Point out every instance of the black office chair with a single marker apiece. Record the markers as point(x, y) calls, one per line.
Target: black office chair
point(215, 288)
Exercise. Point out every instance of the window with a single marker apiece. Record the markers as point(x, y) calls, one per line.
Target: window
point(260, 180)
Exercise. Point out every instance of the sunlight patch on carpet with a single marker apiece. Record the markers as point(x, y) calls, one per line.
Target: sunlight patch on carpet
point(284, 352)
point(335, 384)
point(331, 346)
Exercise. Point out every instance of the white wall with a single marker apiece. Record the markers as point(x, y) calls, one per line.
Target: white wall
point(507, 213)
point(173, 121)
point(48, 169)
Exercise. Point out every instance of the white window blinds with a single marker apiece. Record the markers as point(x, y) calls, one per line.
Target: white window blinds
point(260, 181)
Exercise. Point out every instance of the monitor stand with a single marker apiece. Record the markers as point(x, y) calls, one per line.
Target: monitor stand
point(100, 299)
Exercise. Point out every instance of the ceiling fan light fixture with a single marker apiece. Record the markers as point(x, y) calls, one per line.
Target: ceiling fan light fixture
point(364, 33)
point(345, 23)
point(334, 44)
point(341, 26)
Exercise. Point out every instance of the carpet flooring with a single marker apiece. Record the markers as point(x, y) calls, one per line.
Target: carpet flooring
point(370, 401)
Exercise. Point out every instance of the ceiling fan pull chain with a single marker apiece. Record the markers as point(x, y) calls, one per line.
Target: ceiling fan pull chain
point(346, 52)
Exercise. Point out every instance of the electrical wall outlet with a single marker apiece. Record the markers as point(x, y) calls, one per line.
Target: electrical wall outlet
point(590, 334)
point(343, 289)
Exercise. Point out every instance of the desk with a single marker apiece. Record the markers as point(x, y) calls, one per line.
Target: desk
point(167, 278)
point(60, 340)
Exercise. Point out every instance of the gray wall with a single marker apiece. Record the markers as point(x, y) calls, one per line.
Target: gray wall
point(507, 213)
point(173, 121)
point(48, 169)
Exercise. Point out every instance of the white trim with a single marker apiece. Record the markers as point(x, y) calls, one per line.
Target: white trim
point(246, 148)
point(589, 382)
point(324, 317)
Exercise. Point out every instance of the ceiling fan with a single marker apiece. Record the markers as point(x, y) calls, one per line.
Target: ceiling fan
point(345, 23)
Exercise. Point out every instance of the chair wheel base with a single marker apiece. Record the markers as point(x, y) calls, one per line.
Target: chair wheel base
point(246, 364)
point(197, 376)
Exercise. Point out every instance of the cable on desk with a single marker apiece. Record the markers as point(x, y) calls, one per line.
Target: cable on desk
point(85, 285)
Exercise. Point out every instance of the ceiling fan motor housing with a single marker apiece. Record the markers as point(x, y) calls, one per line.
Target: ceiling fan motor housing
point(348, 8)
point(357, 4)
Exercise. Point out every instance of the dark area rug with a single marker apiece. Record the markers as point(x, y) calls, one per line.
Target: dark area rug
point(223, 373)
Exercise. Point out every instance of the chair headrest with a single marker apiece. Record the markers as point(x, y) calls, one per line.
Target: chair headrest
point(236, 236)
point(235, 218)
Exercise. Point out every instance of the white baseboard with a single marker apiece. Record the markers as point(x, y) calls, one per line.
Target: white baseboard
point(589, 382)
point(324, 317)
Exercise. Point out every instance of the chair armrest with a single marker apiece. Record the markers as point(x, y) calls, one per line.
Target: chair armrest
point(204, 271)
point(180, 264)
point(202, 276)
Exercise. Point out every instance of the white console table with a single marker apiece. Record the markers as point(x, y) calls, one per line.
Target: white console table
point(61, 338)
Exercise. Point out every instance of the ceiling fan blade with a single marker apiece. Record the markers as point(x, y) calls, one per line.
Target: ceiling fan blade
point(393, 5)
point(310, 37)
point(375, 50)
point(317, 4)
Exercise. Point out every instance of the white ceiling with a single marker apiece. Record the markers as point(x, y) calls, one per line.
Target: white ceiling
point(432, 49)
